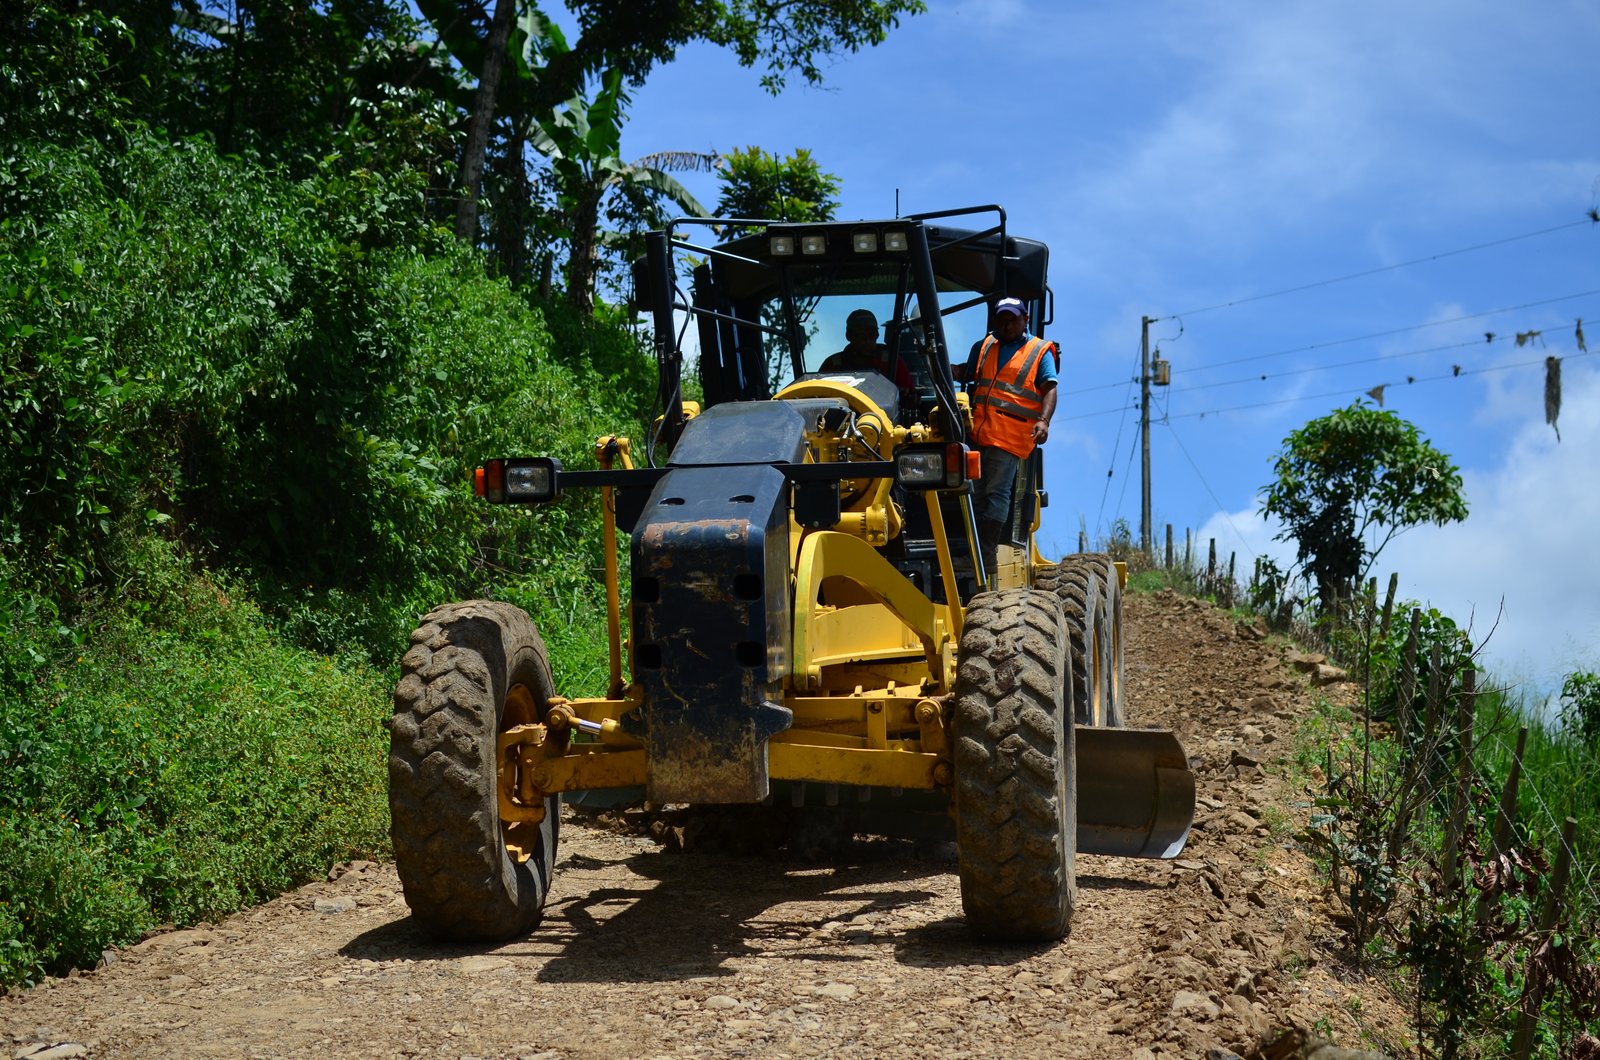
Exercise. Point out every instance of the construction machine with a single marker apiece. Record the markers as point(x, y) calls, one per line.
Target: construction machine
point(809, 618)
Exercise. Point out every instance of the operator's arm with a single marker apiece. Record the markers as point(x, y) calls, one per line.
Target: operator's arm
point(962, 373)
point(1041, 429)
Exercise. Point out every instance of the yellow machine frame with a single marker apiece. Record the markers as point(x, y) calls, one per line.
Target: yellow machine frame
point(872, 662)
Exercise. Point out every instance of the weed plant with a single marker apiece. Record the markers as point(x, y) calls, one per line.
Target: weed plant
point(1464, 925)
point(1459, 933)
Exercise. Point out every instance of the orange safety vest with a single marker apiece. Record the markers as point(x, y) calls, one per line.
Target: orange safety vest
point(1006, 402)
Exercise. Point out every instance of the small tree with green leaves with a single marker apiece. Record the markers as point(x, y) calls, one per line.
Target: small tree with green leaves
point(1348, 483)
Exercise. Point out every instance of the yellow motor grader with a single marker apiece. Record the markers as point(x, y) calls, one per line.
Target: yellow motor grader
point(808, 609)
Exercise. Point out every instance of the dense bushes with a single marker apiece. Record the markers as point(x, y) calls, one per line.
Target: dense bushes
point(292, 382)
point(172, 760)
point(239, 413)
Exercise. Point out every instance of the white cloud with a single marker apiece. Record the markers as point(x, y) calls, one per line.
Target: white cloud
point(1276, 117)
point(1524, 564)
point(1530, 541)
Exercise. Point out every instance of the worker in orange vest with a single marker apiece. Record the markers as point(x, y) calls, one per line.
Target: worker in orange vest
point(1011, 380)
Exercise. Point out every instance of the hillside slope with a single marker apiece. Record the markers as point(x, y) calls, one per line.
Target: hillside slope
point(645, 952)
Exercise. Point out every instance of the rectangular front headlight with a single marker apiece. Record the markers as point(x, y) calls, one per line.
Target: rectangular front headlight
point(920, 469)
point(937, 466)
point(532, 481)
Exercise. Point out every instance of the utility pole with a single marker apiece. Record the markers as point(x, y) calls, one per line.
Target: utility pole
point(1144, 435)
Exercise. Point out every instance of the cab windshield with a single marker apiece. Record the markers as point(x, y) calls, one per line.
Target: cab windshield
point(824, 298)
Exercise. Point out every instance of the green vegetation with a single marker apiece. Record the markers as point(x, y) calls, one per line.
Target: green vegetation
point(1455, 922)
point(1454, 926)
point(174, 759)
point(247, 367)
point(206, 363)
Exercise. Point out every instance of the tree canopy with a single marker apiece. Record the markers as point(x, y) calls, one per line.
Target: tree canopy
point(1356, 472)
point(758, 184)
point(473, 96)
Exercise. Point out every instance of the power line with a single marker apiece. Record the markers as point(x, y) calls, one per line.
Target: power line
point(1213, 493)
point(1127, 471)
point(1110, 472)
point(1392, 331)
point(1346, 342)
point(1329, 367)
point(1462, 374)
point(1488, 340)
point(1380, 269)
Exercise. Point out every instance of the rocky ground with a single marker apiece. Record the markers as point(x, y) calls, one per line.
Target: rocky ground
point(649, 952)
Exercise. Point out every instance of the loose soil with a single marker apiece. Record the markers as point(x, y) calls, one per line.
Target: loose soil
point(646, 950)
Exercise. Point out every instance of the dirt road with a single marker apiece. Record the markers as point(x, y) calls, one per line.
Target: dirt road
point(646, 952)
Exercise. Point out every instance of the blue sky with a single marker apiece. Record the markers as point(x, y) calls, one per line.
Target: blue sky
point(1181, 156)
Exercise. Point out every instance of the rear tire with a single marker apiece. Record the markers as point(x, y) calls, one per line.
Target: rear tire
point(1015, 781)
point(1079, 583)
point(1116, 704)
point(474, 670)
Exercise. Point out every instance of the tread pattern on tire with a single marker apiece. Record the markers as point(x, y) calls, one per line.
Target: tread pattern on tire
point(449, 842)
point(1015, 785)
point(1079, 585)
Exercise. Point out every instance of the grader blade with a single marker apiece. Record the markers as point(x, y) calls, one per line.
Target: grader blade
point(1135, 792)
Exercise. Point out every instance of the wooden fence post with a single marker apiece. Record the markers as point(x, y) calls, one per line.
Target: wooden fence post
point(1504, 819)
point(1388, 605)
point(1533, 994)
point(1211, 568)
point(1169, 546)
point(1413, 765)
point(1458, 808)
point(1083, 541)
point(1408, 681)
point(1507, 814)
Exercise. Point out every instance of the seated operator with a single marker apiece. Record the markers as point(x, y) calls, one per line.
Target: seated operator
point(864, 353)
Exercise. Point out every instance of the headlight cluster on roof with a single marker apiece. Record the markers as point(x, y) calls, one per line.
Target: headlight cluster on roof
point(812, 244)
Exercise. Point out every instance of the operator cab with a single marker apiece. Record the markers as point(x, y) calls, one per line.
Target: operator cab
point(772, 305)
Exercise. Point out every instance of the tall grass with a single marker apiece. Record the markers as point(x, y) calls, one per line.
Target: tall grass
point(1384, 779)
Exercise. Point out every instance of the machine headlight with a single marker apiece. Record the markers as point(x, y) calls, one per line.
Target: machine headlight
point(920, 470)
point(941, 466)
point(532, 481)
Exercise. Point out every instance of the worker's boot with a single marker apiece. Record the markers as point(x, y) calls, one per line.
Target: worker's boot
point(989, 546)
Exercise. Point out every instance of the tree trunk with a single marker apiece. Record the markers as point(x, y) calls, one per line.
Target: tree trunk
point(581, 264)
point(510, 223)
point(482, 120)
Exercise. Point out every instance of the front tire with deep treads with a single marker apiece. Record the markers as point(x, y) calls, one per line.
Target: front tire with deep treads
point(1015, 783)
point(474, 670)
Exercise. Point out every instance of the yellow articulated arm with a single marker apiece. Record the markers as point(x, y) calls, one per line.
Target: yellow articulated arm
point(852, 605)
